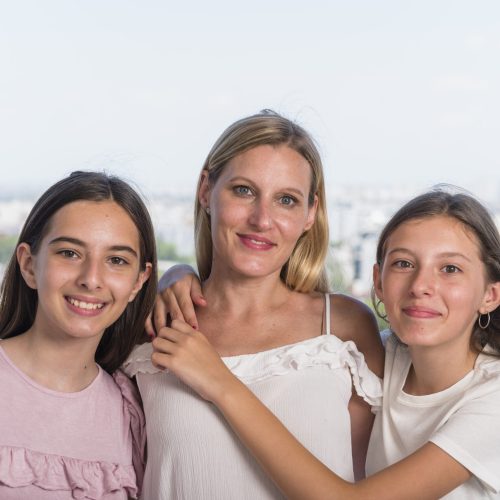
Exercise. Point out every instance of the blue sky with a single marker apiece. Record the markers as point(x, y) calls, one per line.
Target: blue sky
point(394, 91)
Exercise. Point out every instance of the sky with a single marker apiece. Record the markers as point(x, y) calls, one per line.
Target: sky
point(394, 91)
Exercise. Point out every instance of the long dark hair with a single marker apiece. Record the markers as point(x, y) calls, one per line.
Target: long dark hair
point(477, 220)
point(18, 302)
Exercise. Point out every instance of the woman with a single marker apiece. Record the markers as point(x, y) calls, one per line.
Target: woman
point(261, 241)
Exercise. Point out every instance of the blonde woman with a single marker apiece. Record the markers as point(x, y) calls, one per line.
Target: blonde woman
point(261, 241)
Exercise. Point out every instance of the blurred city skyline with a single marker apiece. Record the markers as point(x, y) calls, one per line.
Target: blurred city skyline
point(396, 93)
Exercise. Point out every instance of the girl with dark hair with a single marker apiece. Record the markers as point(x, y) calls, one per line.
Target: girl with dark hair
point(73, 303)
point(436, 434)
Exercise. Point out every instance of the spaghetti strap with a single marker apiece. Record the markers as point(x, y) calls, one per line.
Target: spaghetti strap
point(327, 314)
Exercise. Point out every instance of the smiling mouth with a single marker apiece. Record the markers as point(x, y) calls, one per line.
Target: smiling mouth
point(420, 312)
point(252, 241)
point(87, 306)
point(258, 242)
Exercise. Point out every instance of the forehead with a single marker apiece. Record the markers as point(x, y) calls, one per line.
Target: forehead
point(270, 162)
point(436, 232)
point(94, 220)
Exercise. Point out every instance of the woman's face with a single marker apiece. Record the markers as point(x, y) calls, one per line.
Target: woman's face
point(86, 270)
point(258, 208)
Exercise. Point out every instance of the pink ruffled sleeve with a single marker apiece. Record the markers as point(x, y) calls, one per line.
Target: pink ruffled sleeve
point(133, 408)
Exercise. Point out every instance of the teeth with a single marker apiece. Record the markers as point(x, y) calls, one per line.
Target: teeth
point(85, 305)
point(258, 242)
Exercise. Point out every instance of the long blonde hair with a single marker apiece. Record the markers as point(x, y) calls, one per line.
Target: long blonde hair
point(305, 269)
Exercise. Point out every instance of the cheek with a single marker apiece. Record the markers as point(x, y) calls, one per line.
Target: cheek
point(122, 285)
point(228, 217)
point(465, 297)
point(291, 226)
point(392, 290)
point(50, 275)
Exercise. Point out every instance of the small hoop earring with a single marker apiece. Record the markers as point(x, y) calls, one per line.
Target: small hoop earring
point(480, 323)
point(380, 315)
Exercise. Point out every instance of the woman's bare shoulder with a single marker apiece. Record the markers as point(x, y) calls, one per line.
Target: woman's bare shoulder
point(353, 320)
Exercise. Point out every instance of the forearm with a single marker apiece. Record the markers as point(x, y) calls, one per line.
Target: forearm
point(427, 474)
point(173, 275)
point(293, 468)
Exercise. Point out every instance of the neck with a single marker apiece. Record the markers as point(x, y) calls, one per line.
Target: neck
point(260, 294)
point(60, 365)
point(435, 369)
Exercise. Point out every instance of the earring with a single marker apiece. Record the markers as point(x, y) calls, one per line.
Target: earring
point(380, 315)
point(480, 322)
point(207, 210)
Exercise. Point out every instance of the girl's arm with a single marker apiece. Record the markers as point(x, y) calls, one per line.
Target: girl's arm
point(429, 473)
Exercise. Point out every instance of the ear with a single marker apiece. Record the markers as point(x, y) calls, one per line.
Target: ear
point(377, 282)
point(204, 191)
point(141, 279)
point(26, 263)
point(311, 214)
point(491, 299)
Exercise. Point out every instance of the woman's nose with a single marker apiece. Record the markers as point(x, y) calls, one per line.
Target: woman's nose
point(261, 215)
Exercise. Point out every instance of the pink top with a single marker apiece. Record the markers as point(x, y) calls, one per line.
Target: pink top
point(57, 445)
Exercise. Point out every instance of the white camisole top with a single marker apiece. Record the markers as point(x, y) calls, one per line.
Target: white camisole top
point(193, 453)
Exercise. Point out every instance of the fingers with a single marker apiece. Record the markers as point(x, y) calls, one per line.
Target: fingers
point(159, 313)
point(164, 347)
point(180, 290)
point(185, 304)
point(171, 304)
point(196, 293)
point(177, 329)
point(148, 326)
point(168, 342)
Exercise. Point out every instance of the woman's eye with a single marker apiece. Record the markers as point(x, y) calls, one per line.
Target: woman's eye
point(288, 200)
point(242, 190)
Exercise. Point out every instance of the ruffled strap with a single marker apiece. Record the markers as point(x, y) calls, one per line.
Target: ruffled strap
point(139, 361)
point(326, 351)
point(133, 408)
point(366, 383)
point(20, 467)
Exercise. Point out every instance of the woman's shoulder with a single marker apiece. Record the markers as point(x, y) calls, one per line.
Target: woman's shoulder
point(353, 320)
point(349, 316)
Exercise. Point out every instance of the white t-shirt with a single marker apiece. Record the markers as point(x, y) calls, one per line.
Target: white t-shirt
point(463, 420)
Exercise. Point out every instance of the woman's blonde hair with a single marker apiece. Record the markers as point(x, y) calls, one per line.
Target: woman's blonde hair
point(305, 269)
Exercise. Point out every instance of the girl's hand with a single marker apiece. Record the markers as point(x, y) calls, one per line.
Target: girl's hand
point(179, 290)
point(188, 354)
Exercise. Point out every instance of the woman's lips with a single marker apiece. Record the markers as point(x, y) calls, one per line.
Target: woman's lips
point(256, 242)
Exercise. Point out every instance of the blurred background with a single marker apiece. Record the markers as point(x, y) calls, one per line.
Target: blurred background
point(400, 95)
